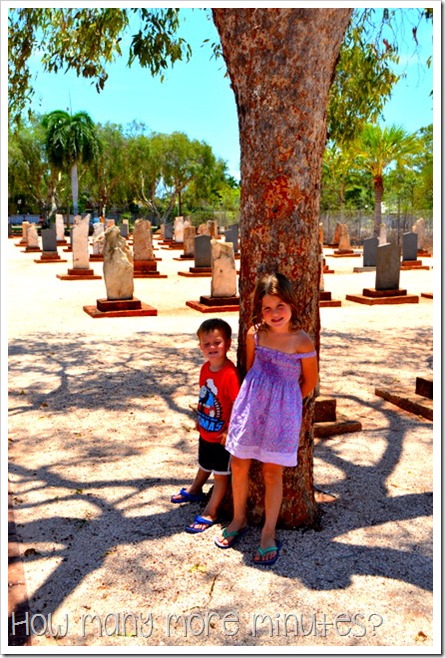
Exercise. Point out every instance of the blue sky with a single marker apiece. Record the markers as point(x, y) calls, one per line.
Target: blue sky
point(195, 97)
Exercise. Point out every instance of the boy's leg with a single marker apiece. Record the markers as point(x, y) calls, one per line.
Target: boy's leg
point(210, 511)
point(195, 488)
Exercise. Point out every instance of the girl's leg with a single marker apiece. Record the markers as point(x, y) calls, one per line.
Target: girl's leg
point(273, 483)
point(240, 489)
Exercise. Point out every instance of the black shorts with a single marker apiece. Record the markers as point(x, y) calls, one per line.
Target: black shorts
point(213, 457)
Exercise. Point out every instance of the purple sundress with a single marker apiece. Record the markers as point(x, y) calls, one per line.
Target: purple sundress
point(266, 416)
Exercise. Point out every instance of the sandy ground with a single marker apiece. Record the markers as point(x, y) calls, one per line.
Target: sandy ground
point(101, 435)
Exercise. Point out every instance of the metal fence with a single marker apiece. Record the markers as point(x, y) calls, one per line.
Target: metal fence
point(361, 225)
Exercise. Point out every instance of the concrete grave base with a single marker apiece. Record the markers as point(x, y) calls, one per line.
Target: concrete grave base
point(371, 296)
point(31, 249)
point(96, 257)
point(326, 299)
point(413, 265)
point(50, 257)
point(339, 253)
point(145, 269)
point(197, 271)
point(365, 269)
point(428, 295)
point(327, 422)
point(76, 274)
point(116, 308)
point(408, 401)
point(215, 304)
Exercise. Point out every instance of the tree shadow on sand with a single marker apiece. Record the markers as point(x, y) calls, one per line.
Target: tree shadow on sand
point(319, 559)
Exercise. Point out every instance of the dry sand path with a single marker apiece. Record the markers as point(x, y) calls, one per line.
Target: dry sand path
point(101, 435)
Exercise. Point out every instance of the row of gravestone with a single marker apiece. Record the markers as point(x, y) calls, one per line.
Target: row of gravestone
point(409, 249)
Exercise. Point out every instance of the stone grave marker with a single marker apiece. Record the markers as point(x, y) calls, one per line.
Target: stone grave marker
point(419, 228)
point(178, 231)
point(60, 228)
point(203, 253)
point(387, 276)
point(81, 257)
point(24, 238)
point(32, 238)
point(231, 235)
point(49, 239)
point(118, 266)
point(382, 234)
point(223, 269)
point(203, 229)
point(98, 239)
point(142, 240)
point(409, 246)
point(370, 252)
point(124, 228)
point(109, 223)
point(168, 231)
point(189, 241)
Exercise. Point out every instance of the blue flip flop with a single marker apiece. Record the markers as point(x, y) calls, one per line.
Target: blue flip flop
point(186, 497)
point(264, 551)
point(234, 535)
point(201, 520)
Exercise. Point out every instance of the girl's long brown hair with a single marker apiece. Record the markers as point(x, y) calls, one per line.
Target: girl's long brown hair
point(274, 284)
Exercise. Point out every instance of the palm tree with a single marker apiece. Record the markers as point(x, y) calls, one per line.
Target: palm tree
point(378, 148)
point(69, 141)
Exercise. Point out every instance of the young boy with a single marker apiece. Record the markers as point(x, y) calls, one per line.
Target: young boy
point(219, 385)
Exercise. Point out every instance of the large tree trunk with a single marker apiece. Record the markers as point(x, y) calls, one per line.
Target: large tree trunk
point(281, 63)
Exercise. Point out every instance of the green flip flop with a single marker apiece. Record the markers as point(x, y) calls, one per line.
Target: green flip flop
point(234, 535)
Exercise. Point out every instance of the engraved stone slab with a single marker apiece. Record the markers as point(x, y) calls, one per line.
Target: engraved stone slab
point(168, 232)
point(142, 240)
point(419, 228)
point(79, 241)
point(98, 238)
point(343, 239)
point(387, 276)
point(223, 269)
point(189, 241)
point(179, 229)
point(231, 235)
point(118, 265)
point(32, 236)
point(382, 234)
point(49, 239)
point(60, 227)
point(213, 228)
point(203, 251)
point(409, 246)
point(370, 252)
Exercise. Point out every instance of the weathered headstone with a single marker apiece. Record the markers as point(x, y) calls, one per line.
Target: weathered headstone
point(109, 223)
point(370, 252)
point(344, 243)
point(124, 228)
point(409, 246)
point(168, 231)
point(32, 238)
point(178, 231)
point(81, 257)
point(336, 239)
point(24, 238)
point(382, 234)
point(419, 228)
point(60, 228)
point(203, 253)
point(142, 240)
point(49, 239)
point(189, 241)
point(387, 267)
point(118, 266)
point(98, 239)
point(231, 235)
point(213, 228)
point(203, 229)
point(223, 269)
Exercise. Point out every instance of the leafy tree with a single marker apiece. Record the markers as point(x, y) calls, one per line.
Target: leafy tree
point(69, 141)
point(378, 148)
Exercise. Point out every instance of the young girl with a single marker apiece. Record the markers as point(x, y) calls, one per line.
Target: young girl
point(265, 424)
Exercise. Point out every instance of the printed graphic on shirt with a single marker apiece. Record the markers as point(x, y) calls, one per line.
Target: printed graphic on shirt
point(209, 408)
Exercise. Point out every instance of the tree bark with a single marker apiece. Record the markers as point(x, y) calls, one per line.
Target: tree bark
point(281, 64)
